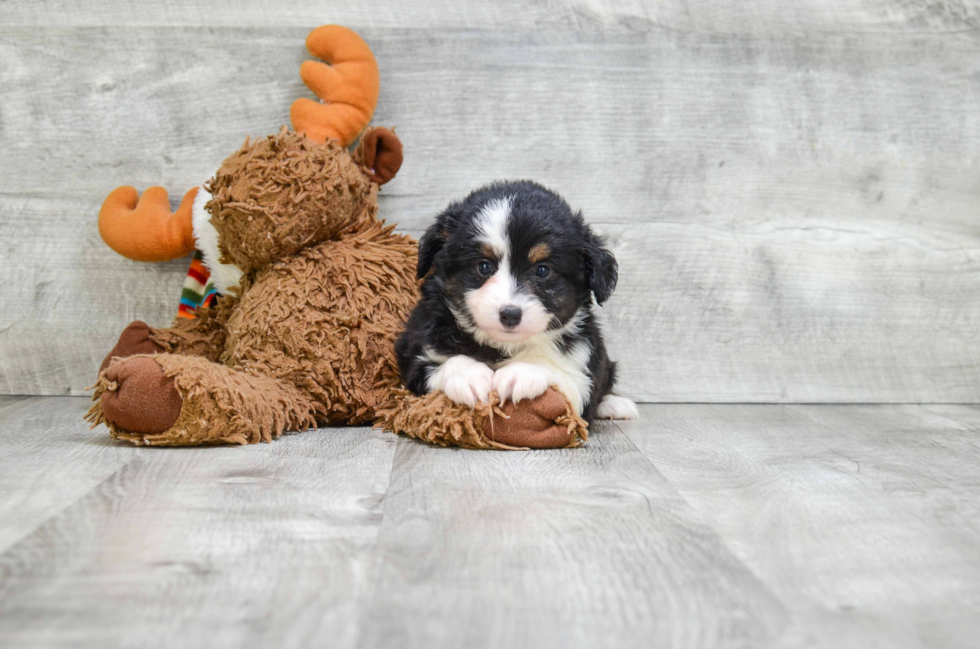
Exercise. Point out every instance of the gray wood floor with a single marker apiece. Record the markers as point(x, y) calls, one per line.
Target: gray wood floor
point(701, 526)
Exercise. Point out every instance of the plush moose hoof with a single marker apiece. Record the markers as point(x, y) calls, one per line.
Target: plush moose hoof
point(134, 339)
point(140, 398)
point(530, 423)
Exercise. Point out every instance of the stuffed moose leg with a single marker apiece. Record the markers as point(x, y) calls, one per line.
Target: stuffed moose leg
point(314, 290)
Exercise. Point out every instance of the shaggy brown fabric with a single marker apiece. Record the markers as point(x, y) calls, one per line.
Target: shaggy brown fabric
point(325, 322)
point(134, 339)
point(137, 395)
point(283, 193)
point(203, 335)
point(546, 422)
point(220, 406)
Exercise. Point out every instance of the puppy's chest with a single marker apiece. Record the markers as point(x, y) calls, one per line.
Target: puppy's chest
point(569, 367)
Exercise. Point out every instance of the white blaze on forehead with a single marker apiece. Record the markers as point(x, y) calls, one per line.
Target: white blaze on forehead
point(492, 222)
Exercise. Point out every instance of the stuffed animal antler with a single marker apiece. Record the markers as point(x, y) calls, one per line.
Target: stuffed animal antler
point(315, 290)
point(348, 87)
point(144, 229)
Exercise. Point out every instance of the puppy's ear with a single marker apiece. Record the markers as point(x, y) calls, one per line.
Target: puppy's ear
point(434, 239)
point(601, 269)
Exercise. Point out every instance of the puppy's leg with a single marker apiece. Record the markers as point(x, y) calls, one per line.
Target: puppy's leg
point(463, 379)
point(614, 406)
point(518, 380)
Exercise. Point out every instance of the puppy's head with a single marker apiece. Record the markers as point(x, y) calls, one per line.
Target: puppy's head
point(513, 262)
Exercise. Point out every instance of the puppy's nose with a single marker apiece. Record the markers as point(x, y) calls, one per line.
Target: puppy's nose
point(510, 316)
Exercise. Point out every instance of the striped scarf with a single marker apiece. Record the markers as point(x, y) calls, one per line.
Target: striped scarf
point(198, 291)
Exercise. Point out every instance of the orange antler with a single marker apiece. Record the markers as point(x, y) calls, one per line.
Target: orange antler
point(145, 230)
point(348, 87)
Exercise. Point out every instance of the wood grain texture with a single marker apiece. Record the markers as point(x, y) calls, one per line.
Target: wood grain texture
point(861, 518)
point(752, 16)
point(587, 547)
point(800, 311)
point(709, 526)
point(792, 187)
point(48, 461)
point(257, 546)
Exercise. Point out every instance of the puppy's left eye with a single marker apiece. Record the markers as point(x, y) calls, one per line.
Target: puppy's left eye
point(484, 268)
point(542, 271)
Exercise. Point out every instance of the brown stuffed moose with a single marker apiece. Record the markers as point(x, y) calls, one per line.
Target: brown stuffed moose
point(314, 291)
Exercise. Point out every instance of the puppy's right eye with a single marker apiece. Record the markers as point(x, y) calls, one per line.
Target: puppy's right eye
point(485, 268)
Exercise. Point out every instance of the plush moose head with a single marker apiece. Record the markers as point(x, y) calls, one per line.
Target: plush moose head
point(279, 194)
point(284, 193)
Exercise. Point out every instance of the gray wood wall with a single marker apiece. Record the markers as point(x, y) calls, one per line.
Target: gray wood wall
point(792, 188)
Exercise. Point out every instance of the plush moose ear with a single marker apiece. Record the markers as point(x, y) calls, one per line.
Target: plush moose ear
point(434, 239)
point(380, 151)
point(601, 268)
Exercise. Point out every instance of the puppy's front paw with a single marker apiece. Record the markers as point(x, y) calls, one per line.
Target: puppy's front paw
point(464, 380)
point(518, 381)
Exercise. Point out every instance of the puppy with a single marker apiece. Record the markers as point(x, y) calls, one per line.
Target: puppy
point(508, 305)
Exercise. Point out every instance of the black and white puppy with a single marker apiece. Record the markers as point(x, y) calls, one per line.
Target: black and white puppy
point(508, 305)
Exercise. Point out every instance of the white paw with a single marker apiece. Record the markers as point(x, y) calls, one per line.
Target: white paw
point(614, 406)
point(518, 381)
point(464, 380)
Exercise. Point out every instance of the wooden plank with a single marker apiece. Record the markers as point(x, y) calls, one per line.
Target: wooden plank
point(752, 16)
point(962, 414)
point(861, 519)
point(50, 459)
point(258, 546)
point(7, 401)
point(580, 548)
point(794, 311)
point(796, 214)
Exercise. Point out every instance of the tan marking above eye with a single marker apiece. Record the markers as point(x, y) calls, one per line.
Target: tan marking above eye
point(488, 251)
point(538, 253)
